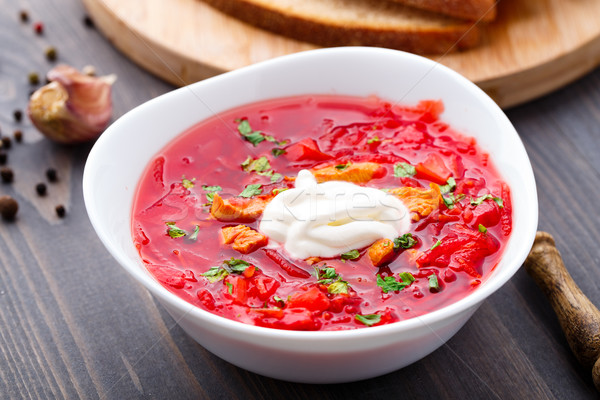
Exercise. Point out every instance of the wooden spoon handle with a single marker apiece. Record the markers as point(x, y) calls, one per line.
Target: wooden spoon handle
point(578, 317)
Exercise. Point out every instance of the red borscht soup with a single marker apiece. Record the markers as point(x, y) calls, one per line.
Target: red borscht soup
point(223, 217)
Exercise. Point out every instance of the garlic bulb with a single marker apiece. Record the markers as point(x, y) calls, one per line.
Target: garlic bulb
point(73, 107)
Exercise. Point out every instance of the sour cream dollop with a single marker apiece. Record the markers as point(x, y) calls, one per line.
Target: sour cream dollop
point(331, 218)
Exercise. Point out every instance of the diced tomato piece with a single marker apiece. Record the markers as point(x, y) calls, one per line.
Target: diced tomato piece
point(433, 169)
point(298, 319)
point(506, 217)
point(461, 250)
point(236, 287)
point(487, 214)
point(167, 275)
point(249, 271)
point(431, 110)
point(305, 149)
point(313, 300)
point(287, 266)
point(269, 312)
point(263, 287)
point(206, 298)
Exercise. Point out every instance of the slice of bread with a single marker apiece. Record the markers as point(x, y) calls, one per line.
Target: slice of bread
point(355, 22)
point(474, 10)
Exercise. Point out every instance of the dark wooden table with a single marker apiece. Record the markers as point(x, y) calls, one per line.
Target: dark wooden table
point(73, 324)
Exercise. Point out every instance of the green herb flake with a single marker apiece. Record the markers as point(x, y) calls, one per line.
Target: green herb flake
point(251, 190)
point(390, 284)
point(481, 199)
point(450, 186)
point(174, 231)
point(229, 288)
point(236, 265)
point(350, 255)
point(244, 128)
point(194, 235)
point(368, 319)
point(277, 152)
point(434, 284)
point(211, 190)
point(187, 183)
point(215, 274)
point(405, 241)
point(404, 170)
point(261, 164)
point(407, 277)
point(436, 244)
point(373, 140)
point(326, 275)
point(276, 191)
point(276, 177)
point(450, 199)
point(482, 228)
point(342, 167)
point(338, 286)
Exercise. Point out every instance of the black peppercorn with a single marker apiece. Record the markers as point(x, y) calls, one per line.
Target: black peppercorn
point(6, 174)
point(8, 208)
point(6, 142)
point(18, 115)
point(51, 54)
point(88, 21)
point(40, 188)
point(18, 135)
point(51, 175)
point(34, 78)
point(24, 16)
point(60, 210)
point(3, 158)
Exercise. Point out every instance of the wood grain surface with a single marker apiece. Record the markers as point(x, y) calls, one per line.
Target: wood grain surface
point(532, 48)
point(74, 325)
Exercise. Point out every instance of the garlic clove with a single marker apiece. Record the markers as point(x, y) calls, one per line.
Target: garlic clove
point(73, 107)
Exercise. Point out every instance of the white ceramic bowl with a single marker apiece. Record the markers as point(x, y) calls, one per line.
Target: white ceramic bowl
point(123, 151)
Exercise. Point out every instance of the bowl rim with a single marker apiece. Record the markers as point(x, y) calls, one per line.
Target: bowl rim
point(472, 300)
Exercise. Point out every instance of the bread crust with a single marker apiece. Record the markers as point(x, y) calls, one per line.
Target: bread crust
point(441, 36)
point(474, 10)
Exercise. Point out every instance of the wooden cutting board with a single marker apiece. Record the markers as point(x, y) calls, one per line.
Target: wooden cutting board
point(534, 46)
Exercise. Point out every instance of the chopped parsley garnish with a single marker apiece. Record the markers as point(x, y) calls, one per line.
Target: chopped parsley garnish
point(481, 199)
point(255, 137)
point(276, 191)
point(211, 190)
point(369, 319)
point(373, 140)
point(342, 167)
point(450, 186)
point(390, 284)
point(194, 235)
point(277, 151)
point(404, 170)
point(251, 190)
point(405, 241)
point(350, 255)
point(187, 183)
point(434, 285)
point(328, 276)
point(244, 128)
point(261, 164)
point(450, 199)
point(215, 274)
point(338, 286)
point(236, 265)
point(262, 167)
point(229, 287)
point(233, 265)
point(482, 228)
point(174, 231)
point(436, 244)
